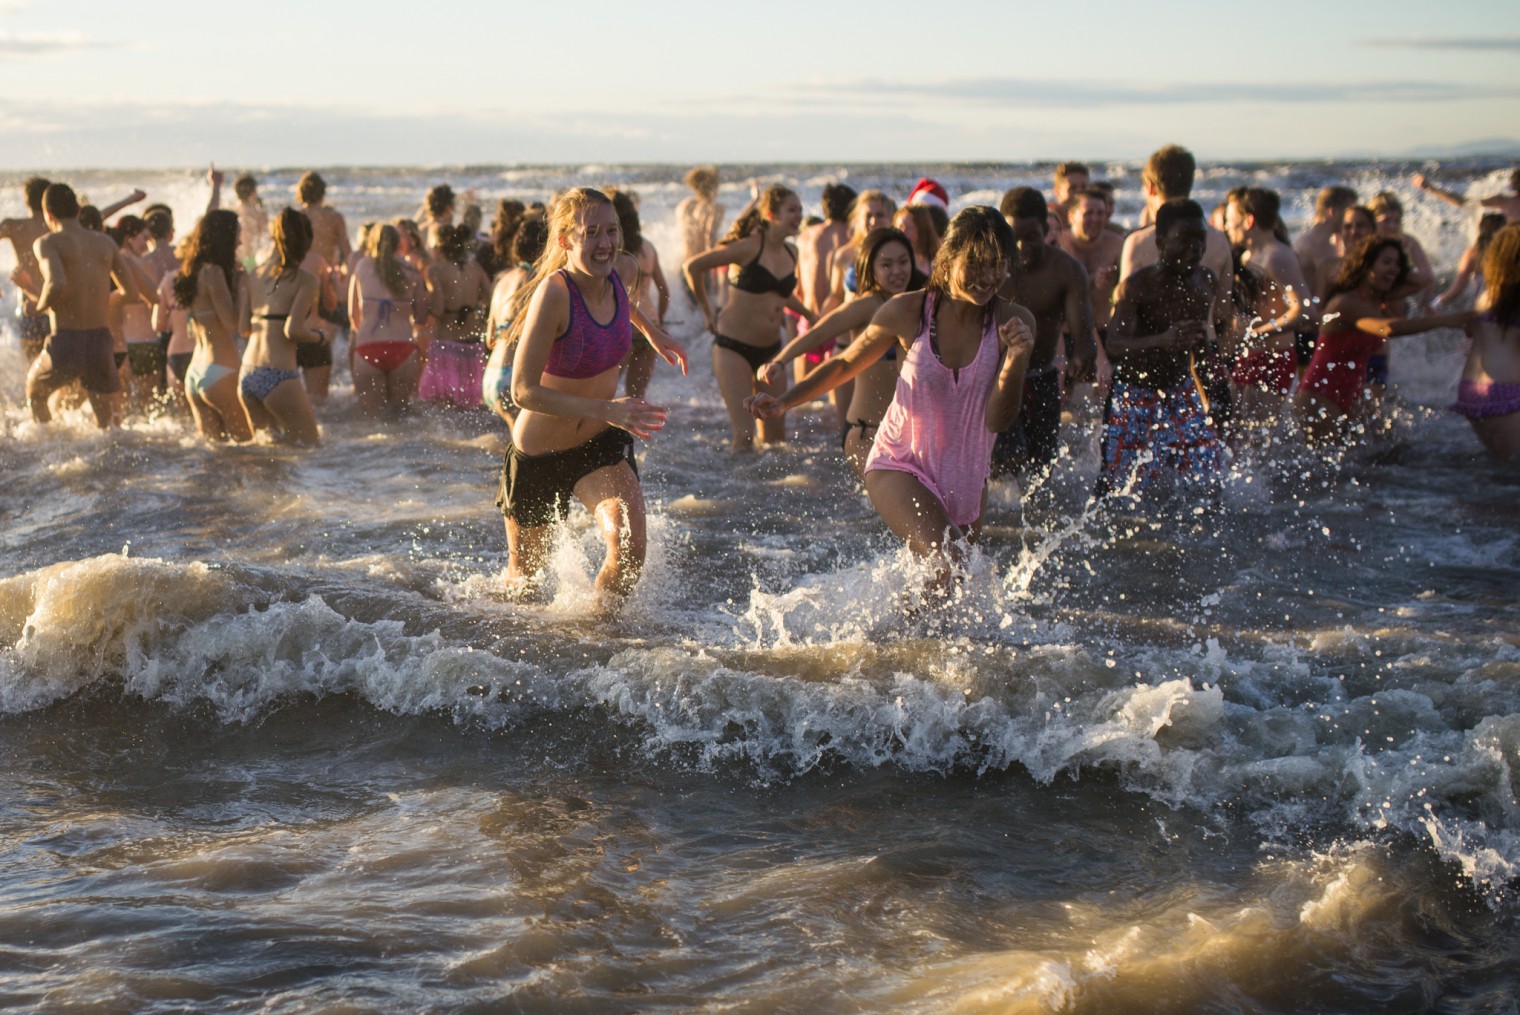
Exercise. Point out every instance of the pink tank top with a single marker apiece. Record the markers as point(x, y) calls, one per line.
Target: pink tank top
point(588, 348)
point(936, 427)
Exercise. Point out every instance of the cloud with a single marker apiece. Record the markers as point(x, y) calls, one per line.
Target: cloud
point(42, 45)
point(1093, 94)
point(1495, 42)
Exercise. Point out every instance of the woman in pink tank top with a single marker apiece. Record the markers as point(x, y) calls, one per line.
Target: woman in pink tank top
point(960, 385)
point(573, 439)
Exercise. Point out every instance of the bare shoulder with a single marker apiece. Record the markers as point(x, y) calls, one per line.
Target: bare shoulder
point(1070, 267)
point(901, 313)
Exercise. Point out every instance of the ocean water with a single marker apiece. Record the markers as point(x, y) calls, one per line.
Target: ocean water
point(277, 742)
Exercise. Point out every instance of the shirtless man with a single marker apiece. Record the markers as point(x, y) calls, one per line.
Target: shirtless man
point(1091, 242)
point(1266, 361)
point(1070, 179)
point(815, 244)
point(77, 267)
point(1158, 424)
point(159, 258)
point(253, 220)
point(1317, 243)
point(1168, 176)
point(1506, 204)
point(1053, 286)
point(22, 234)
point(329, 244)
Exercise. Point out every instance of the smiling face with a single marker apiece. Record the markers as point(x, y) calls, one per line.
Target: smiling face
point(788, 217)
point(877, 215)
point(1385, 270)
point(973, 283)
point(893, 268)
point(1089, 217)
point(595, 241)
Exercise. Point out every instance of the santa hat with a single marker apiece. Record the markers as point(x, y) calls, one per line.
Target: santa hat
point(927, 191)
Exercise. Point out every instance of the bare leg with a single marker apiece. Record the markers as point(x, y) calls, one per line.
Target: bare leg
point(527, 556)
point(401, 383)
point(370, 386)
point(288, 404)
point(223, 397)
point(37, 390)
point(737, 382)
point(917, 517)
point(317, 381)
point(258, 416)
point(613, 495)
point(1500, 435)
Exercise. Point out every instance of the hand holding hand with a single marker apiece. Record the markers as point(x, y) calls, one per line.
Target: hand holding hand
point(763, 406)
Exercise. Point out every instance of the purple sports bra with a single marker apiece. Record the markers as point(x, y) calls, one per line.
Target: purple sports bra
point(588, 348)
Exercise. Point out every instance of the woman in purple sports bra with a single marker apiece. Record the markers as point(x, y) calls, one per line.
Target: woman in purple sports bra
point(964, 357)
point(574, 438)
point(1489, 392)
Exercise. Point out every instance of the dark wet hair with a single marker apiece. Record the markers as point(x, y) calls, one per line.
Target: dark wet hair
point(91, 219)
point(35, 187)
point(836, 199)
point(439, 200)
point(865, 261)
point(1024, 203)
point(1260, 203)
point(980, 238)
point(214, 242)
point(160, 225)
point(456, 243)
point(311, 188)
point(1176, 211)
point(528, 242)
point(1360, 259)
point(628, 220)
point(509, 217)
point(292, 235)
point(60, 201)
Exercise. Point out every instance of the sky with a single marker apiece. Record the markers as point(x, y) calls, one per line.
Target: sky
point(162, 83)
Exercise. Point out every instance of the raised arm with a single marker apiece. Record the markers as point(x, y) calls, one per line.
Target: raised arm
point(1450, 197)
point(130, 199)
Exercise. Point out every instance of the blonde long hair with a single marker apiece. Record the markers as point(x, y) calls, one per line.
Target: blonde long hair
point(384, 241)
point(567, 212)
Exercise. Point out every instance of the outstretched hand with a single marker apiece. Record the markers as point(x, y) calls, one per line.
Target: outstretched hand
point(669, 350)
point(771, 373)
point(637, 416)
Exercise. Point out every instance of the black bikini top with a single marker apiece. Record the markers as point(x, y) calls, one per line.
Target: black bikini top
point(755, 277)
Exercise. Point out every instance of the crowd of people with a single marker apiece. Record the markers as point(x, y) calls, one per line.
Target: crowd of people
point(951, 344)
